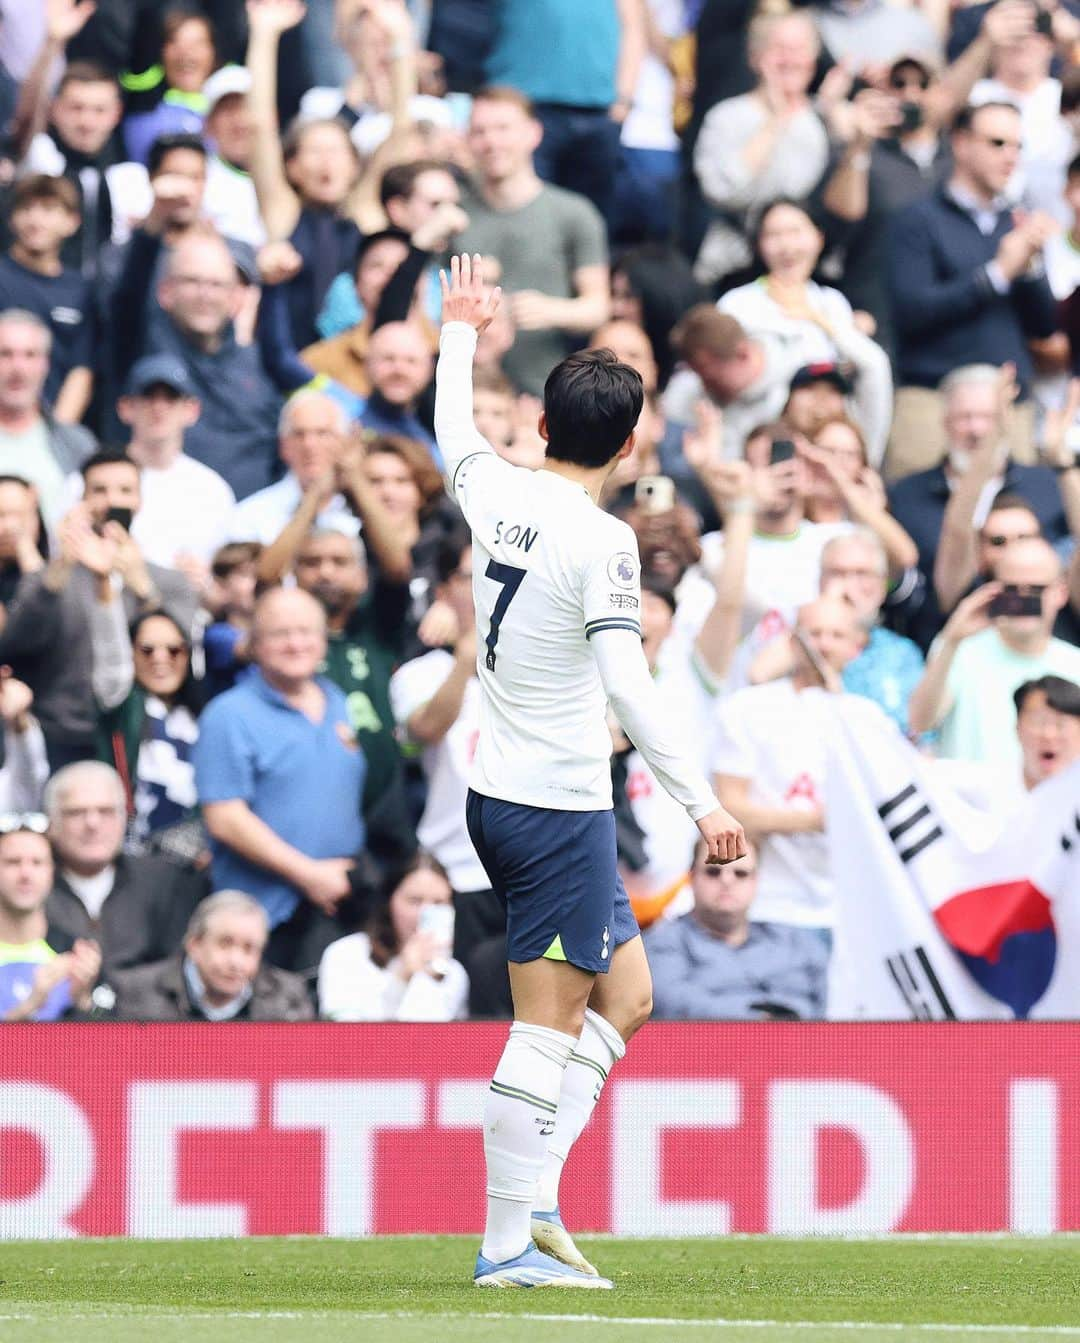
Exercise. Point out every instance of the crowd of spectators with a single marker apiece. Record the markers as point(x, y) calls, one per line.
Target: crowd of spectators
point(839, 240)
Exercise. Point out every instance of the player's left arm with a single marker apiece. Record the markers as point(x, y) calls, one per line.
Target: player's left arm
point(468, 308)
point(611, 601)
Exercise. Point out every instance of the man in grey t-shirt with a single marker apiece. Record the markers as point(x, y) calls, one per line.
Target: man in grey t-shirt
point(550, 243)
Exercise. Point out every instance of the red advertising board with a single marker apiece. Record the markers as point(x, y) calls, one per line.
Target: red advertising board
point(704, 1129)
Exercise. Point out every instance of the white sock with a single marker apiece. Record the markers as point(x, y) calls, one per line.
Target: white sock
point(519, 1118)
point(595, 1054)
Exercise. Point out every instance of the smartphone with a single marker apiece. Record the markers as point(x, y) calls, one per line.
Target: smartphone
point(782, 450)
point(1013, 601)
point(439, 920)
point(655, 494)
point(121, 515)
point(911, 118)
point(1044, 23)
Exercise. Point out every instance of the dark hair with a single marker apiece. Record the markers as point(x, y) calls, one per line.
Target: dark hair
point(189, 695)
point(663, 282)
point(165, 144)
point(86, 72)
point(400, 178)
point(1061, 694)
point(174, 19)
point(370, 240)
point(232, 555)
point(1070, 96)
point(43, 531)
point(591, 403)
point(1073, 169)
point(42, 187)
point(786, 203)
point(416, 457)
point(1008, 499)
point(380, 929)
point(659, 587)
point(107, 457)
point(448, 553)
point(964, 121)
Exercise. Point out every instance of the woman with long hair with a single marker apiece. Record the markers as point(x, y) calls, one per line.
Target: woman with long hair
point(399, 968)
point(149, 704)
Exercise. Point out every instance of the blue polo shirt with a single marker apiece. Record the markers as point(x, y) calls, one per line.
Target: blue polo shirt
point(304, 779)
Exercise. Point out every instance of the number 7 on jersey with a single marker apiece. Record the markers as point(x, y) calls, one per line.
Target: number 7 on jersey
point(510, 580)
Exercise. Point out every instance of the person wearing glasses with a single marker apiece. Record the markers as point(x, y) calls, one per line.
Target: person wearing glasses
point(150, 703)
point(135, 906)
point(714, 963)
point(996, 639)
point(968, 284)
point(44, 974)
point(943, 508)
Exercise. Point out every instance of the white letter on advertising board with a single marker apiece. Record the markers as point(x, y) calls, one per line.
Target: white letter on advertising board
point(349, 1114)
point(1034, 1156)
point(798, 1111)
point(158, 1112)
point(641, 1111)
point(67, 1140)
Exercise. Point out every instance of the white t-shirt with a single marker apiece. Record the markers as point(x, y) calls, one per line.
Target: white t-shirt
point(230, 203)
point(774, 736)
point(353, 988)
point(185, 509)
point(757, 312)
point(648, 124)
point(442, 827)
point(782, 574)
point(264, 515)
point(670, 835)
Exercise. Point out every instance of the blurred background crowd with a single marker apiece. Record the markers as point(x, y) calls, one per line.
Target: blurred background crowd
point(839, 240)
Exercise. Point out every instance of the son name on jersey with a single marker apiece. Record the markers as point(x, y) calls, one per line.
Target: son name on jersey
point(517, 534)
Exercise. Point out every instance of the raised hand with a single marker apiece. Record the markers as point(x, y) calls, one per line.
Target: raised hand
point(274, 16)
point(65, 18)
point(16, 698)
point(465, 297)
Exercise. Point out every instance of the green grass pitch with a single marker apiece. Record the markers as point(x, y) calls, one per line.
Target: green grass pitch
point(418, 1290)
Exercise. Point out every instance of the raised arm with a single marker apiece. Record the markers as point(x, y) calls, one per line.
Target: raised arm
point(63, 20)
point(468, 309)
point(279, 204)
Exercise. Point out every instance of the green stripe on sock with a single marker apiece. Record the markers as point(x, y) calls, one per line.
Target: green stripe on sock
point(588, 1063)
point(513, 1094)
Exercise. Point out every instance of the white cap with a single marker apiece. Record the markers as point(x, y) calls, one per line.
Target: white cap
point(229, 79)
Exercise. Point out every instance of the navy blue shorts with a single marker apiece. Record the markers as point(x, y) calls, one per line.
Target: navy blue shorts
point(556, 872)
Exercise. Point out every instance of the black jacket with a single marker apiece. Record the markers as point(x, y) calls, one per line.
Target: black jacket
point(144, 917)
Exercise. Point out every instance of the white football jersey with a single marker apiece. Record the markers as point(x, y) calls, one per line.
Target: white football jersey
point(550, 570)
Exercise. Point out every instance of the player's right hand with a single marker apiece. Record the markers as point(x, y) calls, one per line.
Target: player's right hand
point(465, 297)
point(724, 835)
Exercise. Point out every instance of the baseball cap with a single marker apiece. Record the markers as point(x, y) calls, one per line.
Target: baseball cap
point(822, 372)
point(156, 370)
point(229, 79)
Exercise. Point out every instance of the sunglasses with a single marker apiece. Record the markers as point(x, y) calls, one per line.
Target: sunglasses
point(11, 822)
point(739, 873)
point(173, 650)
point(998, 541)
